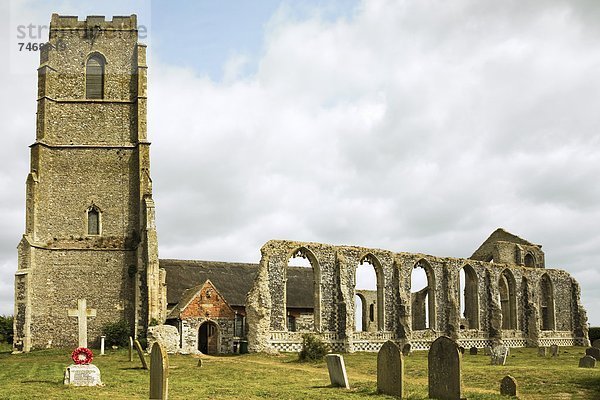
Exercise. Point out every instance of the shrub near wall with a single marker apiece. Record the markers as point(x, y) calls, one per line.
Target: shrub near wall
point(594, 333)
point(6, 329)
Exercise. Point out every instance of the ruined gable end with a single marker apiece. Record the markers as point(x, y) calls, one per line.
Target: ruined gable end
point(505, 248)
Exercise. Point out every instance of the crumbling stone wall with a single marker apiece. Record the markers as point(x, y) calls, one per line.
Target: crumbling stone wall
point(335, 268)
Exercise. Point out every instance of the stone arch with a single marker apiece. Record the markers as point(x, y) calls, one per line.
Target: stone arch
point(529, 260)
point(93, 220)
point(363, 312)
point(379, 276)
point(508, 299)
point(303, 252)
point(423, 301)
point(548, 320)
point(469, 297)
point(209, 337)
point(94, 76)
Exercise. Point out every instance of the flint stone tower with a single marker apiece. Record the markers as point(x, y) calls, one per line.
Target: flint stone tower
point(90, 231)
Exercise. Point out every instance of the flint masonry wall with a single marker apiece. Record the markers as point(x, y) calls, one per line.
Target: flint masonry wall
point(334, 270)
point(88, 153)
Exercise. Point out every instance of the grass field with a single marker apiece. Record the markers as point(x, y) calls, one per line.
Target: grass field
point(39, 375)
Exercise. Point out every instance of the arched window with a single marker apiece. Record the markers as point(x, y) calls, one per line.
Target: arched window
point(369, 280)
point(508, 300)
point(301, 298)
point(469, 298)
point(529, 260)
point(93, 221)
point(422, 287)
point(547, 303)
point(94, 77)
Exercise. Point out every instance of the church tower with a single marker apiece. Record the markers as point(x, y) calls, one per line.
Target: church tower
point(90, 232)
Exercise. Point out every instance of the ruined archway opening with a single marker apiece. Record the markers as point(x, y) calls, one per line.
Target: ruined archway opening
point(302, 292)
point(529, 260)
point(508, 300)
point(369, 286)
point(469, 298)
point(422, 297)
point(208, 338)
point(360, 319)
point(547, 304)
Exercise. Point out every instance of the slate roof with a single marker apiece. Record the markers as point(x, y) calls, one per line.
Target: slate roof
point(232, 280)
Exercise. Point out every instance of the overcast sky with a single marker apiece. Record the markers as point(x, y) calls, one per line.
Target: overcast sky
point(416, 126)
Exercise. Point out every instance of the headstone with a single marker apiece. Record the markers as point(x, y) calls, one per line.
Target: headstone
point(596, 343)
point(499, 354)
point(82, 375)
point(554, 350)
point(390, 369)
point(337, 370)
point(199, 362)
point(82, 313)
point(102, 340)
point(406, 349)
point(508, 386)
point(587, 362)
point(593, 352)
point(130, 349)
point(444, 364)
point(461, 349)
point(140, 352)
point(542, 351)
point(159, 372)
point(473, 351)
point(487, 351)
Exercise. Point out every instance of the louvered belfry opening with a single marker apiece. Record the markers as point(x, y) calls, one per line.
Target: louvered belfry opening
point(94, 78)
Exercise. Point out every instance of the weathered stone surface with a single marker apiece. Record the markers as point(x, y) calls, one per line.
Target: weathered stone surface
point(508, 386)
point(140, 352)
point(473, 351)
point(159, 372)
point(444, 364)
point(554, 350)
point(337, 370)
point(166, 335)
point(542, 351)
point(593, 352)
point(390, 369)
point(499, 354)
point(82, 375)
point(587, 362)
point(406, 349)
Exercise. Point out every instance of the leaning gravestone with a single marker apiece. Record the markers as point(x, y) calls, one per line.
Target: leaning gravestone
point(596, 343)
point(140, 352)
point(542, 351)
point(499, 354)
point(554, 350)
point(159, 372)
point(593, 352)
point(587, 362)
point(508, 386)
point(390, 369)
point(406, 349)
point(337, 370)
point(130, 349)
point(473, 351)
point(444, 360)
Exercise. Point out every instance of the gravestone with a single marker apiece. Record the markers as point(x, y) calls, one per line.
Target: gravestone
point(82, 313)
point(542, 351)
point(499, 354)
point(199, 362)
point(82, 375)
point(444, 364)
point(554, 350)
point(390, 369)
point(508, 386)
point(337, 370)
point(159, 372)
point(406, 349)
point(487, 350)
point(587, 362)
point(140, 352)
point(596, 343)
point(461, 349)
point(593, 352)
point(130, 349)
point(102, 341)
point(473, 351)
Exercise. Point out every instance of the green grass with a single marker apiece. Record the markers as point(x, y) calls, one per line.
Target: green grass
point(38, 375)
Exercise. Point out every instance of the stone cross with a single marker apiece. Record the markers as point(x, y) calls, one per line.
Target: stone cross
point(444, 360)
point(159, 372)
point(390, 369)
point(508, 386)
point(82, 313)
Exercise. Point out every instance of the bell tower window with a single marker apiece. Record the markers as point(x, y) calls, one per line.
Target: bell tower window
point(93, 221)
point(94, 77)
